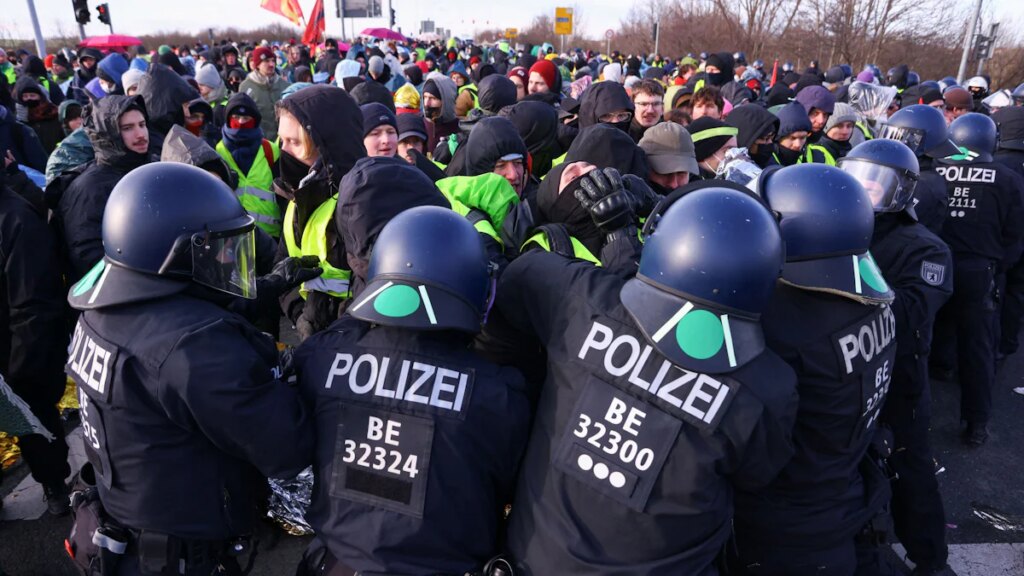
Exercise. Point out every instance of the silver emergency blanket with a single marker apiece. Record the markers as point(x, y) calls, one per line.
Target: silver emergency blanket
point(998, 99)
point(739, 168)
point(289, 500)
point(871, 101)
point(16, 418)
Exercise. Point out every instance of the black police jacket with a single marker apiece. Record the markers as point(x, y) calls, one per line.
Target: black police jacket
point(986, 212)
point(618, 479)
point(919, 268)
point(33, 337)
point(843, 354)
point(182, 411)
point(1012, 159)
point(930, 201)
point(419, 440)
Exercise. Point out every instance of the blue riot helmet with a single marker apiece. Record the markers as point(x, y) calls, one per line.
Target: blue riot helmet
point(976, 135)
point(740, 59)
point(787, 66)
point(758, 64)
point(165, 225)
point(428, 271)
point(913, 79)
point(698, 309)
point(887, 170)
point(922, 128)
point(847, 70)
point(826, 220)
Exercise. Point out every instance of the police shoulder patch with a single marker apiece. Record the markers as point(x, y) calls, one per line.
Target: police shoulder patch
point(933, 273)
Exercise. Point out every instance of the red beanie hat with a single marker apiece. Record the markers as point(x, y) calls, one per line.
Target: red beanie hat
point(48, 61)
point(547, 71)
point(260, 54)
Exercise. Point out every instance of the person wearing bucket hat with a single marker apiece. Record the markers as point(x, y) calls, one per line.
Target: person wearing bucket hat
point(830, 320)
point(685, 333)
point(918, 265)
point(459, 421)
point(670, 156)
point(984, 228)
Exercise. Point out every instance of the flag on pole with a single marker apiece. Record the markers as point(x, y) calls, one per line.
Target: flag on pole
point(315, 26)
point(290, 9)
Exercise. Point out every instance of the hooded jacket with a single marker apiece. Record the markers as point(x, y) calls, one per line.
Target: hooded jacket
point(164, 92)
point(335, 125)
point(605, 146)
point(76, 89)
point(447, 123)
point(186, 148)
point(753, 122)
point(111, 69)
point(35, 68)
point(370, 195)
point(80, 207)
point(42, 117)
point(490, 140)
point(603, 98)
point(537, 124)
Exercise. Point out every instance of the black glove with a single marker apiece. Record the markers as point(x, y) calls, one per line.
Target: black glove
point(644, 199)
point(601, 193)
point(287, 274)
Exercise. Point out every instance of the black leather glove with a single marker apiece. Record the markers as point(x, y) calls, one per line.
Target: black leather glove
point(644, 199)
point(287, 274)
point(601, 193)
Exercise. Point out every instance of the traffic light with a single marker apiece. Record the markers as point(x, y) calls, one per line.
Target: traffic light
point(104, 11)
point(81, 11)
point(392, 18)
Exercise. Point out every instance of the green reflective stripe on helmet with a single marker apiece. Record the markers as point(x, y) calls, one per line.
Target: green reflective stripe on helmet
point(712, 132)
point(580, 251)
point(333, 281)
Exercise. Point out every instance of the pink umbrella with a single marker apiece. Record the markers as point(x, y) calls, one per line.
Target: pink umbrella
point(383, 34)
point(110, 41)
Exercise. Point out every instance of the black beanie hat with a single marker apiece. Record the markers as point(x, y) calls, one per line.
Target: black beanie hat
point(709, 135)
point(376, 114)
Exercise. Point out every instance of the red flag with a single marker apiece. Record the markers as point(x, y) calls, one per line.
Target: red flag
point(315, 26)
point(290, 9)
point(775, 74)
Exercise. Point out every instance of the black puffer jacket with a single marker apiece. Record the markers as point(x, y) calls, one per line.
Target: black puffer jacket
point(165, 93)
point(80, 208)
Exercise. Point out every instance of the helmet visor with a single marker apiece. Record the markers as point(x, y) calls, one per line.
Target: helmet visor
point(226, 261)
point(912, 137)
point(889, 189)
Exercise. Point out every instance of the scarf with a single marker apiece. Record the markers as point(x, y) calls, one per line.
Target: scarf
point(244, 144)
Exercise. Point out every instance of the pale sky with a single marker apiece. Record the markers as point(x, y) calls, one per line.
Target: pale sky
point(138, 17)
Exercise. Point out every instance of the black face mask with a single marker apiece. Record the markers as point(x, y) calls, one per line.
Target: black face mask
point(432, 112)
point(763, 155)
point(293, 170)
point(31, 103)
point(718, 78)
point(624, 126)
point(788, 157)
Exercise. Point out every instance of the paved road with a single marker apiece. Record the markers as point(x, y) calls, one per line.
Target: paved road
point(991, 477)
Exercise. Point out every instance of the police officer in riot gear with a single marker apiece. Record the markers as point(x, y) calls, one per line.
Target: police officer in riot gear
point(660, 397)
point(983, 229)
point(830, 320)
point(183, 409)
point(923, 129)
point(1010, 121)
point(918, 266)
point(419, 438)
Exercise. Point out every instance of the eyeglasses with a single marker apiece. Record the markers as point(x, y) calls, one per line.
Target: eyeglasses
point(615, 117)
point(651, 104)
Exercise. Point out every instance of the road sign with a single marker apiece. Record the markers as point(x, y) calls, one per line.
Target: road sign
point(511, 33)
point(563, 21)
point(609, 34)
